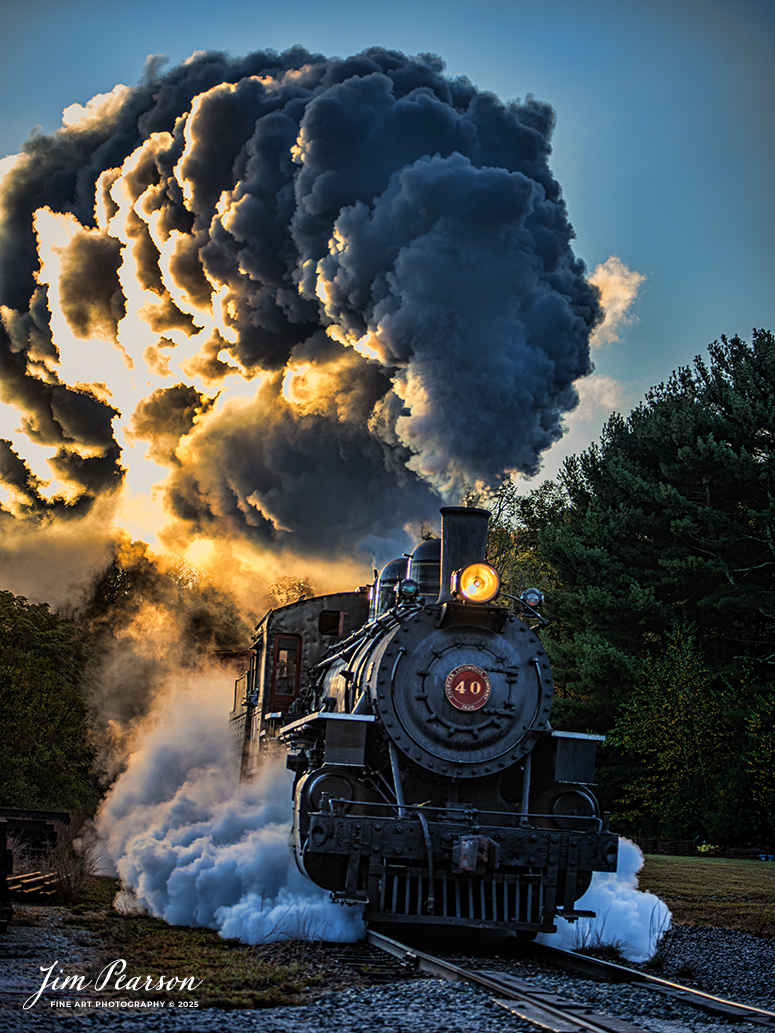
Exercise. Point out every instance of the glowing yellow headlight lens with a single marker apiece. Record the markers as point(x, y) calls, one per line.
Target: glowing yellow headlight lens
point(478, 582)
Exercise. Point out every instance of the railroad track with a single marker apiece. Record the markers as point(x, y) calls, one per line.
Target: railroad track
point(613, 973)
point(562, 1015)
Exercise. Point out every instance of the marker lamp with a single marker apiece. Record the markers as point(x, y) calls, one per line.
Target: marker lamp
point(532, 597)
point(478, 582)
point(408, 589)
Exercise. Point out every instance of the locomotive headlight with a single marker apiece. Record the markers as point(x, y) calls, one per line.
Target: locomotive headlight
point(478, 582)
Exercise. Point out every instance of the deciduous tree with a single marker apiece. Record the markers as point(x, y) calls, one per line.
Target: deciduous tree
point(45, 754)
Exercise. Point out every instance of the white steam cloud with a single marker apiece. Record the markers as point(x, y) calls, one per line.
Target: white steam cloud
point(626, 916)
point(196, 847)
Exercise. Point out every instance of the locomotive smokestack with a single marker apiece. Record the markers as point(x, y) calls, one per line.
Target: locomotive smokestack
point(463, 541)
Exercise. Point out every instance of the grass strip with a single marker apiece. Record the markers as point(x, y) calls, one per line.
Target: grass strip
point(232, 974)
point(714, 891)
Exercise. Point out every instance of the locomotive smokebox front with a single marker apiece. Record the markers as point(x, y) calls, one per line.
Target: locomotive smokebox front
point(462, 700)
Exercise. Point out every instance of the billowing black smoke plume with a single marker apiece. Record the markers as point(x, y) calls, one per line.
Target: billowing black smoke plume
point(339, 289)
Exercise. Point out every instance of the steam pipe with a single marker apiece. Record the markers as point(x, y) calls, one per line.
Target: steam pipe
point(397, 786)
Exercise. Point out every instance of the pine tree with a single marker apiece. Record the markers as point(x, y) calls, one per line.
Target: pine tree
point(669, 522)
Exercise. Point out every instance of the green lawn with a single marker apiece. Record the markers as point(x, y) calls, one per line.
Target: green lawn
point(714, 891)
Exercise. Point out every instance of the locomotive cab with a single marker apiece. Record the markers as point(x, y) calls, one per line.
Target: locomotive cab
point(288, 642)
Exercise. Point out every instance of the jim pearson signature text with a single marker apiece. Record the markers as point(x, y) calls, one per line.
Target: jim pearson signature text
point(110, 978)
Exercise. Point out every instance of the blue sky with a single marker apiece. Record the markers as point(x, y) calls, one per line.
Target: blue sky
point(663, 146)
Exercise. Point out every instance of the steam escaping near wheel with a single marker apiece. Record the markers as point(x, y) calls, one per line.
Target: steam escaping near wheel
point(633, 920)
point(194, 847)
point(305, 285)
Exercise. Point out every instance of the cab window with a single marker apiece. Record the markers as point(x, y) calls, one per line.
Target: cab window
point(335, 623)
point(285, 676)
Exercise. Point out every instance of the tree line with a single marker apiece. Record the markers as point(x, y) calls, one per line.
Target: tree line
point(46, 754)
point(656, 550)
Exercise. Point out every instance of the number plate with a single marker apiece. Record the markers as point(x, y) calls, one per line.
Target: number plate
point(467, 687)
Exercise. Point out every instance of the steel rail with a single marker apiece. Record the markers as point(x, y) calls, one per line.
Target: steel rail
point(537, 1007)
point(614, 973)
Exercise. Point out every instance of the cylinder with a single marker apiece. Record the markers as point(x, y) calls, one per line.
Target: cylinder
point(463, 541)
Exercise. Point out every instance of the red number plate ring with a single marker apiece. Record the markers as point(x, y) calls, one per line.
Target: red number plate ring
point(467, 687)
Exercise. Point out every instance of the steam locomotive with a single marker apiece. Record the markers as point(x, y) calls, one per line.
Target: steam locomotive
point(429, 785)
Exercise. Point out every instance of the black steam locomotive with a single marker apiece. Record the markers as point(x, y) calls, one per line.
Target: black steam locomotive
point(430, 786)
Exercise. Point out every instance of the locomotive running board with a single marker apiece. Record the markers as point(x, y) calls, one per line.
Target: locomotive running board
point(322, 715)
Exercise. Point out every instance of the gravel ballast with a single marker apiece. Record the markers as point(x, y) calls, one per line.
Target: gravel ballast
point(729, 964)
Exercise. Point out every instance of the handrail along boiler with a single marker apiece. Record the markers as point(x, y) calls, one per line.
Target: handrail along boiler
point(430, 786)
